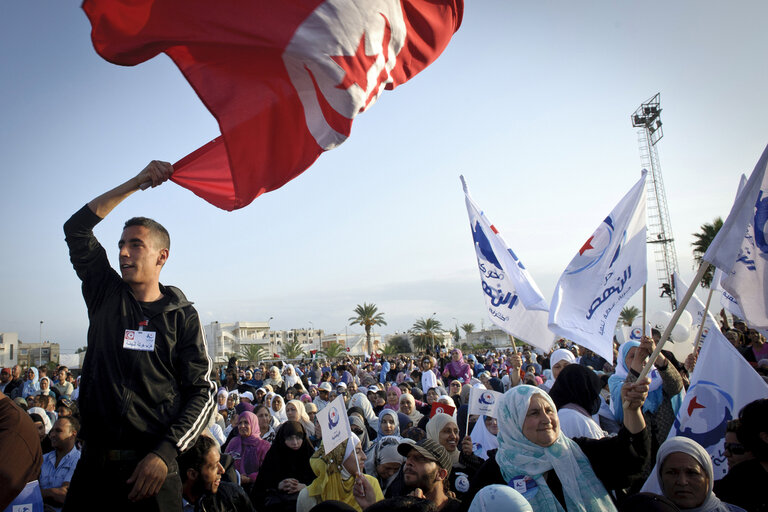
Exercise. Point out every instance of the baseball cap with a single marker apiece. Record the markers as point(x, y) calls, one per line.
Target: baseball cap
point(341, 385)
point(325, 386)
point(430, 450)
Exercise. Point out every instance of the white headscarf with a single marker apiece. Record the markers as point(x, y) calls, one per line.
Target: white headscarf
point(308, 425)
point(558, 355)
point(415, 415)
point(436, 424)
point(279, 414)
point(292, 379)
point(44, 415)
point(496, 497)
point(689, 447)
point(361, 401)
point(482, 439)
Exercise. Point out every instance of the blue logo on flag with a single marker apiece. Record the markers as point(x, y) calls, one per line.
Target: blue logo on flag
point(707, 415)
point(487, 399)
point(333, 418)
point(484, 245)
point(761, 222)
point(594, 248)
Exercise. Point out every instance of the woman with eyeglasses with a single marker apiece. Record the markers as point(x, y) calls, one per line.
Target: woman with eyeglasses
point(277, 489)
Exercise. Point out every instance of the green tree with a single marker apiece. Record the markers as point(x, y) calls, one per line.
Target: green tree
point(80, 350)
point(292, 349)
point(252, 353)
point(334, 350)
point(701, 241)
point(397, 345)
point(426, 333)
point(468, 329)
point(367, 316)
point(628, 315)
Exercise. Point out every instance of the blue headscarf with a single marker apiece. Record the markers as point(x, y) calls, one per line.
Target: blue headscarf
point(385, 367)
point(31, 387)
point(395, 418)
point(655, 391)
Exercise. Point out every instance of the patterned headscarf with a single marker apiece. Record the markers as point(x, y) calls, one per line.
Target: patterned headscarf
point(518, 456)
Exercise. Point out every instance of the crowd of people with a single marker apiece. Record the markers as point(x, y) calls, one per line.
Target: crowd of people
point(153, 426)
point(572, 432)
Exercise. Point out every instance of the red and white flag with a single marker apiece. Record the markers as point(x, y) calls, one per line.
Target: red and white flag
point(283, 79)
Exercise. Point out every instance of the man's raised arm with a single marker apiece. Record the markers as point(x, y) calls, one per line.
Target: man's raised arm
point(152, 175)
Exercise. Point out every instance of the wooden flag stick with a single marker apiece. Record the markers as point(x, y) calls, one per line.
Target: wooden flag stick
point(703, 321)
point(512, 340)
point(645, 286)
point(673, 321)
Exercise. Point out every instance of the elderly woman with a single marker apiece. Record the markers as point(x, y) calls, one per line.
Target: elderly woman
point(248, 449)
point(684, 474)
point(555, 473)
point(559, 359)
point(339, 478)
point(276, 381)
point(277, 408)
point(267, 422)
point(665, 395)
point(408, 407)
point(457, 368)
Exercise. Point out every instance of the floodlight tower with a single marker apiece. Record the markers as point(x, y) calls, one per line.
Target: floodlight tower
point(647, 119)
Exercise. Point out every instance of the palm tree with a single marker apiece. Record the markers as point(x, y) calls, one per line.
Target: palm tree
point(628, 315)
point(468, 328)
point(367, 316)
point(292, 349)
point(252, 353)
point(334, 350)
point(397, 345)
point(701, 242)
point(425, 332)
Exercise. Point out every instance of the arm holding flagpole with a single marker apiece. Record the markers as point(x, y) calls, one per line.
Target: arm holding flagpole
point(154, 174)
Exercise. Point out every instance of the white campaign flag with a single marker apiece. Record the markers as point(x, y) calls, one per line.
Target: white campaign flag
point(740, 248)
point(727, 301)
point(483, 401)
point(721, 384)
point(334, 424)
point(696, 308)
point(608, 269)
point(514, 301)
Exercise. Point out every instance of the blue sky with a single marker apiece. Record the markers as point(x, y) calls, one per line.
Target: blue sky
point(530, 101)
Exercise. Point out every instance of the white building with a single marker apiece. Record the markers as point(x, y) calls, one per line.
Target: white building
point(9, 349)
point(495, 337)
point(225, 339)
point(354, 342)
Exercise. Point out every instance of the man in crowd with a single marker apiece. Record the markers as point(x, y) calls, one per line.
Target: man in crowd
point(59, 464)
point(15, 382)
point(20, 446)
point(203, 490)
point(64, 387)
point(5, 380)
point(323, 395)
point(146, 391)
point(427, 467)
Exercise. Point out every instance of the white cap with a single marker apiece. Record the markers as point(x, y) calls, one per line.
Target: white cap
point(341, 385)
point(325, 386)
point(247, 395)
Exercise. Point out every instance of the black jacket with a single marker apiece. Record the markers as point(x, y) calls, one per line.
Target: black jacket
point(149, 401)
point(229, 498)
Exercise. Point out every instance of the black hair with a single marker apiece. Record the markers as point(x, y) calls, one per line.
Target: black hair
point(752, 418)
point(195, 456)
point(158, 232)
point(403, 504)
point(73, 423)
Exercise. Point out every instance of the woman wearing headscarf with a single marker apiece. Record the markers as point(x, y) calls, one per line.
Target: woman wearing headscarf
point(43, 425)
point(289, 376)
point(457, 368)
point(384, 462)
point(444, 430)
point(576, 395)
point(665, 395)
point(46, 389)
point(31, 385)
point(385, 368)
point(684, 474)
point(559, 359)
point(295, 411)
point(389, 424)
point(357, 425)
point(275, 380)
point(277, 488)
point(408, 407)
point(393, 398)
point(277, 409)
point(248, 449)
point(267, 422)
point(335, 474)
point(555, 473)
point(361, 401)
point(484, 437)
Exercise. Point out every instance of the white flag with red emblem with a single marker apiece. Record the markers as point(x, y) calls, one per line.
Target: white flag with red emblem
point(334, 424)
point(513, 300)
point(608, 269)
point(721, 384)
point(740, 248)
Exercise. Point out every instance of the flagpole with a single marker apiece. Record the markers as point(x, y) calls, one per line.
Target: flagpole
point(645, 286)
point(675, 317)
point(703, 321)
point(512, 339)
